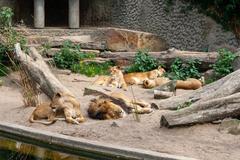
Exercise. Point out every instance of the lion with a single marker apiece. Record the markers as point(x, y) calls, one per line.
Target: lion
point(115, 80)
point(188, 84)
point(149, 83)
point(104, 109)
point(43, 111)
point(138, 77)
point(69, 106)
point(103, 80)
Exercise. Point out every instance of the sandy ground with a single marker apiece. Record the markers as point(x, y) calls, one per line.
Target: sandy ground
point(201, 141)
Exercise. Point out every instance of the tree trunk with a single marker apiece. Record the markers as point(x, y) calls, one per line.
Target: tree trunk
point(40, 72)
point(167, 57)
point(213, 102)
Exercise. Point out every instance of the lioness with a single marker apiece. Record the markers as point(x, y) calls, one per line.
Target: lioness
point(70, 107)
point(104, 109)
point(116, 79)
point(138, 77)
point(188, 84)
point(149, 83)
point(43, 111)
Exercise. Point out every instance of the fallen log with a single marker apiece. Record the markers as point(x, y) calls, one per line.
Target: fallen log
point(213, 102)
point(40, 73)
point(213, 110)
point(167, 57)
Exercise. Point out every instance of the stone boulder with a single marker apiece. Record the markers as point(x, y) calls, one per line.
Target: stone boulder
point(111, 39)
point(236, 63)
point(129, 40)
point(231, 126)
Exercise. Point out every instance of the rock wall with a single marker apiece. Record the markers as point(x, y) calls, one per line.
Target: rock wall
point(181, 27)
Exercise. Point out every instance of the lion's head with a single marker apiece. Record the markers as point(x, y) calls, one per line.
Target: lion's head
point(148, 83)
point(104, 109)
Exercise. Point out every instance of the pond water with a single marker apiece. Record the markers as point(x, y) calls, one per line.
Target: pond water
point(13, 150)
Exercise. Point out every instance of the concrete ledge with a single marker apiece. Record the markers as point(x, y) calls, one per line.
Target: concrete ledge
point(79, 146)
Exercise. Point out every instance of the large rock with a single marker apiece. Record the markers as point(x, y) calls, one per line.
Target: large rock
point(231, 126)
point(112, 39)
point(236, 63)
point(128, 40)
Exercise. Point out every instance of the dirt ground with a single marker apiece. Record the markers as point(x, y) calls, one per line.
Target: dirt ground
point(201, 141)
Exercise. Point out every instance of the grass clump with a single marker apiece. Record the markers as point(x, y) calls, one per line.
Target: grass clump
point(142, 62)
point(182, 71)
point(92, 69)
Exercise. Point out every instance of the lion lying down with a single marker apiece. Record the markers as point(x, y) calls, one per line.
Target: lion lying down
point(63, 105)
point(120, 80)
point(188, 84)
point(103, 108)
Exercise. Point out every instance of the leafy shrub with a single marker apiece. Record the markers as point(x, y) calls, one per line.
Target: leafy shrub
point(69, 55)
point(223, 66)
point(6, 15)
point(182, 71)
point(92, 69)
point(142, 62)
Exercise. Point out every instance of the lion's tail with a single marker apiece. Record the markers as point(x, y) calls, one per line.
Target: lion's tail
point(32, 120)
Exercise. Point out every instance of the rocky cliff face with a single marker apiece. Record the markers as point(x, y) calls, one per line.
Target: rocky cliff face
point(182, 28)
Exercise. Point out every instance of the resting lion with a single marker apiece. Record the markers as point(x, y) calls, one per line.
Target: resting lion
point(69, 106)
point(115, 80)
point(149, 83)
point(103, 108)
point(188, 84)
point(43, 111)
point(138, 77)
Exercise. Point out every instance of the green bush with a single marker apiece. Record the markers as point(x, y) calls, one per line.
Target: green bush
point(69, 55)
point(182, 71)
point(142, 62)
point(223, 66)
point(6, 15)
point(8, 38)
point(92, 69)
